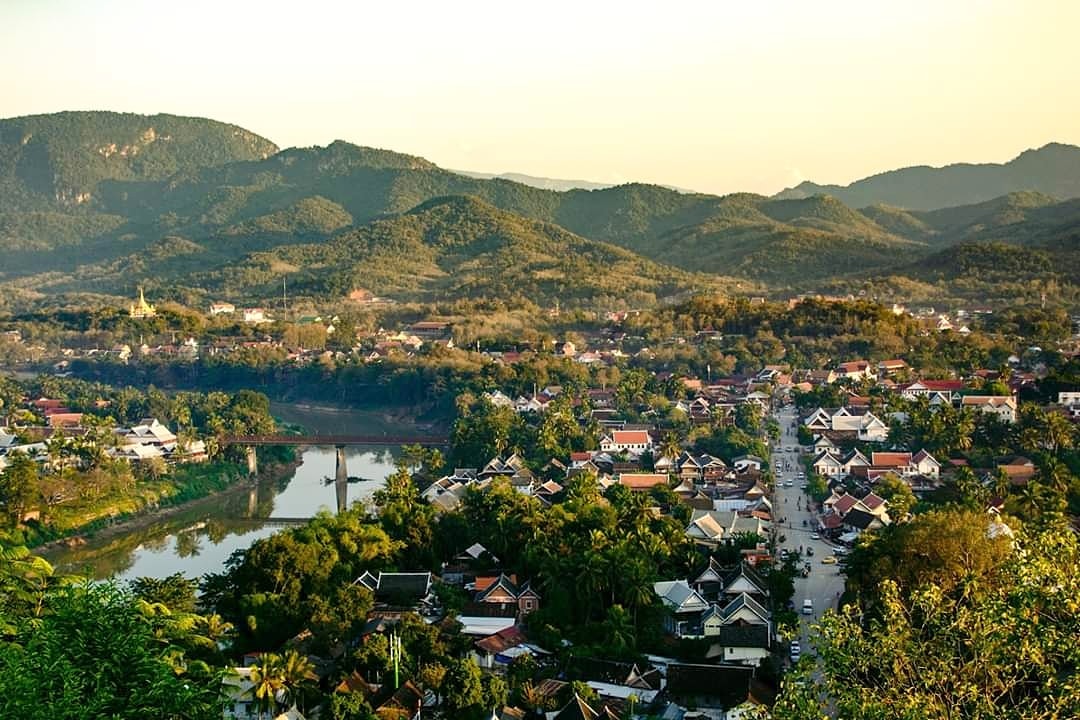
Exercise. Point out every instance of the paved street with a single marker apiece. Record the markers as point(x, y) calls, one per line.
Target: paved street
point(825, 581)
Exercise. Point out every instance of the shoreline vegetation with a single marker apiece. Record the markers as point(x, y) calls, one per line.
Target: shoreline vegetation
point(311, 417)
point(103, 528)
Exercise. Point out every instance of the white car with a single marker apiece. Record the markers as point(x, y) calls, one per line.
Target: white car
point(815, 536)
point(796, 651)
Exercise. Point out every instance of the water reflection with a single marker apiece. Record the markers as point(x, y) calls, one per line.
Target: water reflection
point(201, 539)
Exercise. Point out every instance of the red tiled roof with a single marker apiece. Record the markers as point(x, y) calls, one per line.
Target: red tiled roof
point(642, 481)
point(845, 503)
point(890, 459)
point(486, 581)
point(872, 501)
point(630, 437)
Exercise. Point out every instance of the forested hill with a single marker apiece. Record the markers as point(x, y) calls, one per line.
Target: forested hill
point(462, 247)
point(1053, 169)
point(63, 160)
point(106, 202)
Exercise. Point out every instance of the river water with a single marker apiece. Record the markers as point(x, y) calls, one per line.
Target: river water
point(201, 538)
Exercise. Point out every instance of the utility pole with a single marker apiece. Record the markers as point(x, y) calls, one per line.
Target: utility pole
point(284, 299)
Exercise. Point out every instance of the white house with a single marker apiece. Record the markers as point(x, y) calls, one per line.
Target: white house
point(635, 441)
point(222, 308)
point(827, 464)
point(926, 465)
point(255, 316)
point(1004, 406)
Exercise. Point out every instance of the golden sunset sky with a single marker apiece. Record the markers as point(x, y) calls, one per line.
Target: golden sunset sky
point(715, 96)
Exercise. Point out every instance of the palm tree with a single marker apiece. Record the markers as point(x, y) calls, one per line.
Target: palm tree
point(267, 680)
point(297, 673)
point(670, 447)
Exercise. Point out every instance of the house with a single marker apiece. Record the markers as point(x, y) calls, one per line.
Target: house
point(826, 464)
point(222, 308)
point(715, 582)
point(857, 370)
point(642, 482)
point(701, 468)
point(501, 648)
point(711, 527)
point(149, 432)
point(819, 420)
point(255, 316)
point(504, 588)
point(1069, 398)
point(925, 465)
point(894, 366)
point(748, 462)
point(943, 390)
point(635, 441)
point(398, 588)
point(1003, 406)
point(684, 605)
point(430, 329)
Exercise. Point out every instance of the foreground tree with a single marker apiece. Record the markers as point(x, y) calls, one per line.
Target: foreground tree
point(997, 647)
point(92, 654)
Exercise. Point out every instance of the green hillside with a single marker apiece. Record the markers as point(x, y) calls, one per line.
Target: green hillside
point(784, 242)
point(62, 160)
point(460, 247)
point(1053, 169)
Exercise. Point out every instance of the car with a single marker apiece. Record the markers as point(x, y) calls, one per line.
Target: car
point(815, 536)
point(796, 651)
point(787, 483)
point(839, 551)
point(807, 607)
point(803, 486)
point(810, 551)
point(828, 560)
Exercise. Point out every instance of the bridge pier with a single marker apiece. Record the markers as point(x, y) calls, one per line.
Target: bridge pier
point(253, 498)
point(252, 460)
point(341, 480)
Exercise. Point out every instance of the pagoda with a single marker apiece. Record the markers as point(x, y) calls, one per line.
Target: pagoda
point(141, 309)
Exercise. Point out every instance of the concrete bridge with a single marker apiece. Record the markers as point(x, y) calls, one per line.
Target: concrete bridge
point(340, 442)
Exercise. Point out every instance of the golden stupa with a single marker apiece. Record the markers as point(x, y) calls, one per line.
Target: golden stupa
point(141, 309)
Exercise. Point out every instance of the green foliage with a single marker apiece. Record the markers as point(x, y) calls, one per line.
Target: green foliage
point(996, 643)
point(283, 583)
point(94, 655)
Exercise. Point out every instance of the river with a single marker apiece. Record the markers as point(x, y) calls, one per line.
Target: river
point(201, 538)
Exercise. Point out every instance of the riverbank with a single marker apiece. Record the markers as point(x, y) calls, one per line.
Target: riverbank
point(150, 515)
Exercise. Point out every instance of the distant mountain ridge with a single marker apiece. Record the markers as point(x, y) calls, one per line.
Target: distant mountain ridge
point(555, 184)
point(1053, 169)
point(97, 202)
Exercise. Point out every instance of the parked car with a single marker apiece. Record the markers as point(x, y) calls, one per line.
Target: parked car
point(815, 536)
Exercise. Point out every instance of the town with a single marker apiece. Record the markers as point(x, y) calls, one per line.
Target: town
point(628, 541)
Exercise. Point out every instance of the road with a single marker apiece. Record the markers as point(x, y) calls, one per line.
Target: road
point(825, 582)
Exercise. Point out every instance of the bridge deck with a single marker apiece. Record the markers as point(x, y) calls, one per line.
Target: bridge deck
point(334, 440)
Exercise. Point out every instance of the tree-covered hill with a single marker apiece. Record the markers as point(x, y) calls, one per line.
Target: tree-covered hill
point(179, 201)
point(60, 160)
point(1053, 169)
point(461, 247)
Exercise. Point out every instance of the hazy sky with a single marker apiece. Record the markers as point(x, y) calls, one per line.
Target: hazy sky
point(716, 96)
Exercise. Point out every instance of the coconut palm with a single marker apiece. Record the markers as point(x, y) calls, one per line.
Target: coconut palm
point(267, 680)
point(297, 674)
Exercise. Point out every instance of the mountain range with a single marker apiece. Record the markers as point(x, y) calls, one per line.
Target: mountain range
point(93, 201)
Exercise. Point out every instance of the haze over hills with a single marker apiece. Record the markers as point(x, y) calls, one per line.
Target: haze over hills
point(193, 205)
point(1053, 169)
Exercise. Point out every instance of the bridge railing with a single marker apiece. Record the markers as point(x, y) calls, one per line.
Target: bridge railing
point(334, 440)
